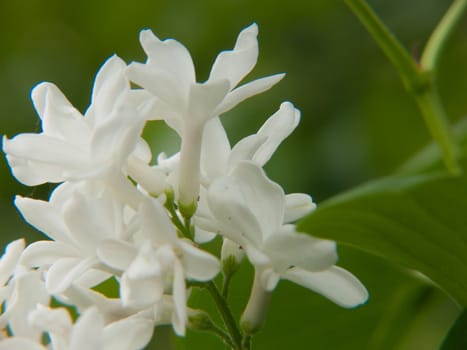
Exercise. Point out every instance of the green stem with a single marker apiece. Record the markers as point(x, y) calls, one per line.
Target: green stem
point(437, 41)
point(189, 229)
point(225, 285)
point(223, 335)
point(247, 342)
point(437, 122)
point(419, 80)
point(169, 205)
point(226, 315)
point(392, 48)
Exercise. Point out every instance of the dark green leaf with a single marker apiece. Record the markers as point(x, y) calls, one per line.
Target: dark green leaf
point(418, 221)
point(457, 337)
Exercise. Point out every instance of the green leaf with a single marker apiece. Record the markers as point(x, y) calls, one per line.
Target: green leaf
point(430, 158)
point(457, 337)
point(419, 222)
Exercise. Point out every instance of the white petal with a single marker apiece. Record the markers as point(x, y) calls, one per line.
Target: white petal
point(297, 206)
point(32, 173)
point(146, 264)
point(245, 149)
point(215, 149)
point(170, 55)
point(198, 264)
point(128, 334)
point(65, 271)
point(156, 224)
point(288, 248)
point(92, 278)
point(146, 104)
point(232, 249)
point(91, 220)
point(110, 86)
point(260, 147)
point(140, 292)
point(336, 284)
point(256, 257)
point(150, 178)
point(41, 253)
point(265, 198)
point(246, 91)
point(44, 217)
point(58, 115)
point(203, 99)
point(203, 236)
point(83, 298)
point(116, 254)
point(20, 343)
point(10, 259)
point(275, 130)
point(235, 220)
point(116, 138)
point(30, 291)
point(235, 64)
point(45, 149)
point(56, 320)
point(87, 331)
point(179, 317)
point(160, 83)
point(269, 279)
point(143, 150)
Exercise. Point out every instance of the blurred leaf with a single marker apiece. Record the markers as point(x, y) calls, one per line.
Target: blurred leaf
point(457, 337)
point(430, 157)
point(417, 221)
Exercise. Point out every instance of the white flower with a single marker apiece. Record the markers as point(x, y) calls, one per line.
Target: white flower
point(187, 105)
point(72, 146)
point(20, 343)
point(157, 262)
point(219, 159)
point(77, 218)
point(90, 331)
point(249, 209)
point(20, 291)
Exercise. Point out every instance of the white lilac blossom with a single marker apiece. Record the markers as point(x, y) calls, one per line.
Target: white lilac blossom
point(96, 145)
point(77, 218)
point(115, 218)
point(186, 105)
point(249, 209)
point(90, 330)
point(20, 290)
point(158, 261)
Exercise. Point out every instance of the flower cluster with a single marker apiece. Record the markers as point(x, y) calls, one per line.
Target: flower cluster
point(116, 215)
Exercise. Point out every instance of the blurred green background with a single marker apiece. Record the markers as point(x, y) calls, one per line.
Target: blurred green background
point(357, 124)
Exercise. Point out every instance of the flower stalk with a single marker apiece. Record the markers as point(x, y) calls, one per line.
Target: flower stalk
point(419, 77)
point(255, 312)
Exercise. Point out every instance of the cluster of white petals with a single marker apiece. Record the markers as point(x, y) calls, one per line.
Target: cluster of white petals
point(115, 216)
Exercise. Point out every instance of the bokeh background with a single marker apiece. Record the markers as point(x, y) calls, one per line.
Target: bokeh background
point(357, 124)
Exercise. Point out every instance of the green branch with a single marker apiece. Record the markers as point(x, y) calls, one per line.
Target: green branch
point(226, 314)
point(419, 79)
point(391, 47)
point(437, 41)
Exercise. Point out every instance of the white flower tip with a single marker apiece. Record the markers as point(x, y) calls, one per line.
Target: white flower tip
point(39, 95)
point(275, 78)
point(359, 298)
point(146, 36)
point(115, 62)
point(252, 28)
point(15, 246)
point(288, 107)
